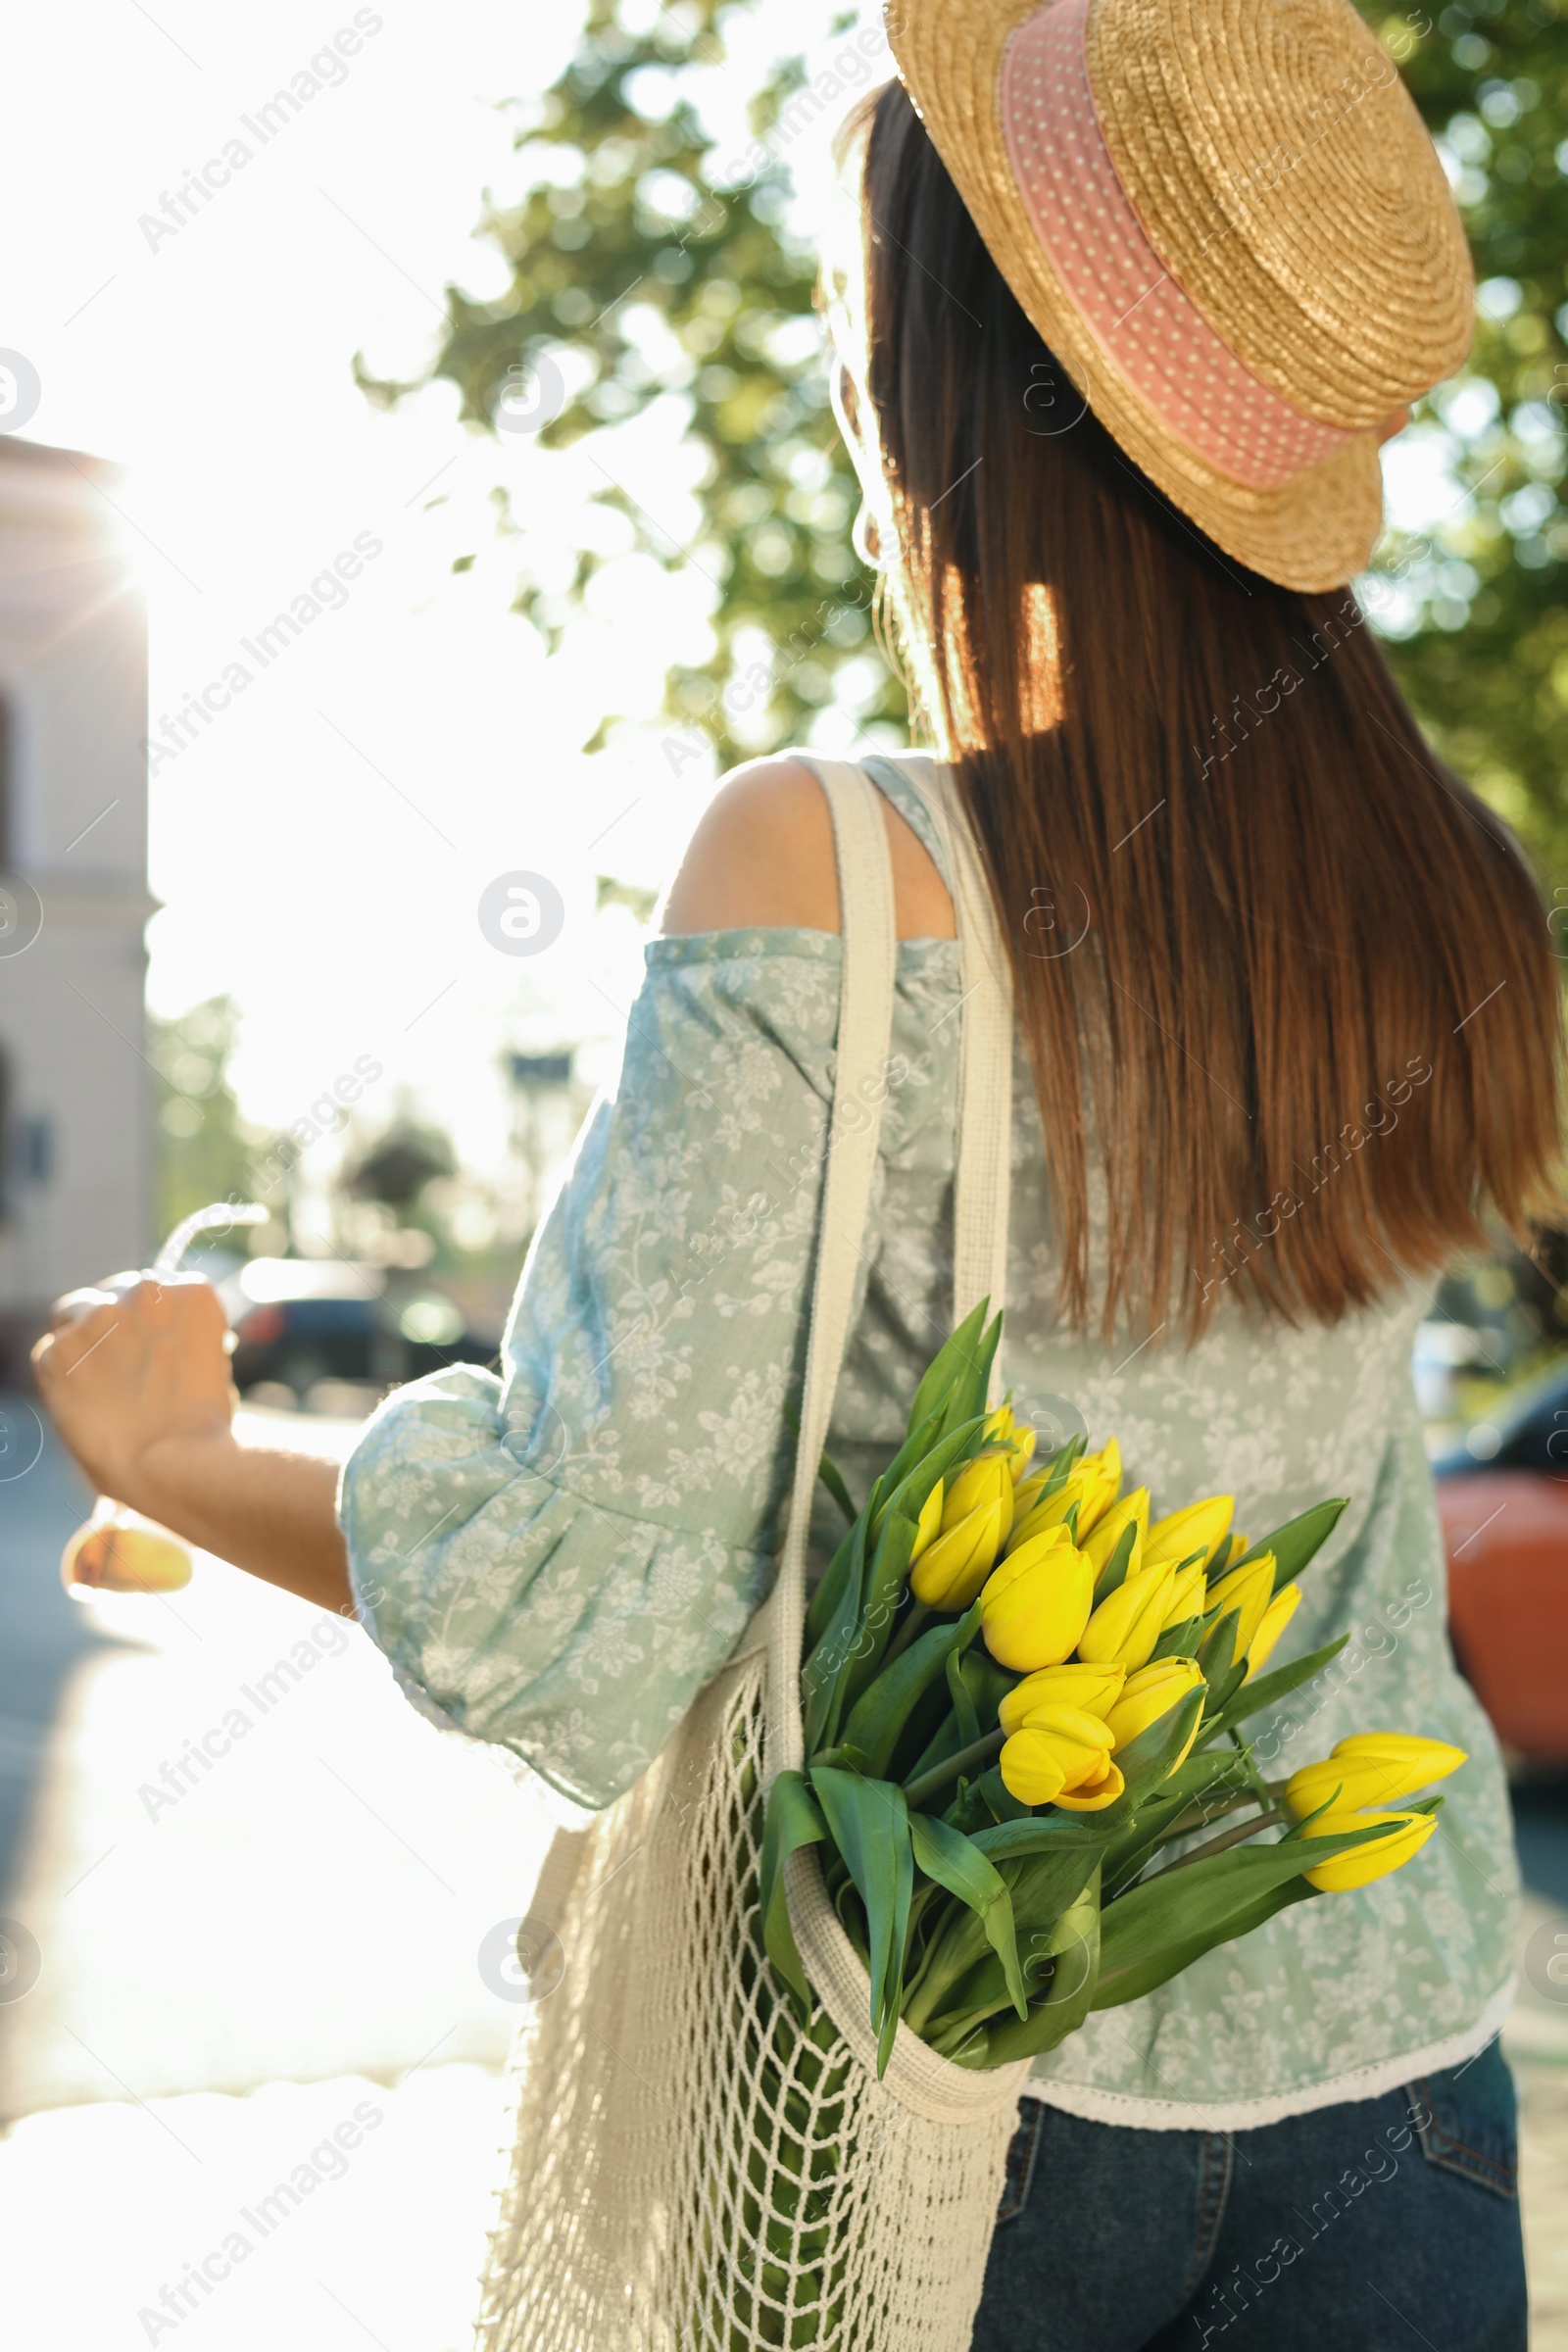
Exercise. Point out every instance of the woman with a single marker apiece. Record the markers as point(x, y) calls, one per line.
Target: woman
point(1287, 1038)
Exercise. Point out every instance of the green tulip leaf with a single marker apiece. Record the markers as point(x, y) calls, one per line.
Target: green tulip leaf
point(1161, 1966)
point(793, 1819)
point(1190, 1907)
point(1074, 1944)
point(1295, 1543)
point(1179, 1641)
point(869, 1823)
point(1113, 1575)
point(965, 1714)
point(949, 1858)
point(881, 1714)
point(948, 1366)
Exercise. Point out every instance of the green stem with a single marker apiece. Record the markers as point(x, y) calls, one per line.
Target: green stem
point(979, 1751)
point(1226, 1838)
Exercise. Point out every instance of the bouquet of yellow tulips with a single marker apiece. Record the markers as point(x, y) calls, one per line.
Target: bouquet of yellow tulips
point(1019, 1693)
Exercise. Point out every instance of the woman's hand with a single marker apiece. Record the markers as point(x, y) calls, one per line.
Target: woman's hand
point(136, 1380)
point(125, 1375)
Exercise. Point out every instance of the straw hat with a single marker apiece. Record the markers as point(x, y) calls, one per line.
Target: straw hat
point(1228, 223)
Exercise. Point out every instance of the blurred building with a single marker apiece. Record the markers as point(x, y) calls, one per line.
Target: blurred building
point(75, 1141)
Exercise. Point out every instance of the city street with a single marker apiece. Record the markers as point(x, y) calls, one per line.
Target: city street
point(263, 1968)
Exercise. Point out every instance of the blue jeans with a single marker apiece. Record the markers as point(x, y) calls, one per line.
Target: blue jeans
point(1374, 2227)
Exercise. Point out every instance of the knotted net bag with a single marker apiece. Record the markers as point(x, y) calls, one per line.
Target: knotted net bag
point(691, 2170)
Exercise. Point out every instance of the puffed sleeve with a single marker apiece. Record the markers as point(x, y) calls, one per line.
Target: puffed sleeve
point(558, 1558)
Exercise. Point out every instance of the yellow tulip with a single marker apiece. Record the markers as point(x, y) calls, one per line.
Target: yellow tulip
point(1248, 1591)
point(1091, 1484)
point(1124, 1629)
point(1059, 1748)
point(1148, 1695)
point(1359, 1865)
point(1094, 1688)
point(986, 1479)
point(1276, 1617)
point(1036, 1603)
point(1093, 1794)
point(929, 1524)
point(1018, 1437)
point(1197, 1528)
point(951, 1570)
point(1371, 1768)
point(1187, 1597)
point(1108, 1532)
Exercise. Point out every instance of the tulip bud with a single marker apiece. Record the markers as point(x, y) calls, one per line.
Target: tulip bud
point(1276, 1617)
point(929, 1524)
point(1124, 1629)
point(951, 1570)
point(1248, 1591)
point(1024, 1440)
point(1091, 1484)
point(1187, 1597)
point(986, 1479)
point(1197, 1528)
point(1059, 1748)
point(1359, 1865)
point(1093, 1688)
point(1152, 1692)
point(1036, 1603)
point(1090, 1795)
point(1371, 1768)
point(1108, 1532)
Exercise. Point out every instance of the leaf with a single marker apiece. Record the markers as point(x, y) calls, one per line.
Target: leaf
point(1179, 1641)
point(1074, 1946)
point(1197, 1904)
point(964, 1706)
point(793, 1819)
point(827, 1471)
point(825, 1600)
point(946, 1855)
point(1296, 1543)
point(822, 1678)
point(881, 1714)
point(1269, 1689)
point(869, 1823)
point(1133, 1983)
point(886, 1582)
point(947, 1366)
point(1113, 1575)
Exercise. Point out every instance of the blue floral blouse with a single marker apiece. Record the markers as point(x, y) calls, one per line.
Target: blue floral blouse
point(557, 1559)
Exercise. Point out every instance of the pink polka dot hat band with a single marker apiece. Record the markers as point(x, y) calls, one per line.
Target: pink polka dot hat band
point(1135, 310)
point(1227, 221)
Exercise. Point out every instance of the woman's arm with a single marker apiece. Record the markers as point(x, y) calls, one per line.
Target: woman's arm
point(138, 1388)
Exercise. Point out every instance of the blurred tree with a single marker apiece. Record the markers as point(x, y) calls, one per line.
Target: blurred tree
point(1478, 608)
point(205, 1151)
point(661, 283)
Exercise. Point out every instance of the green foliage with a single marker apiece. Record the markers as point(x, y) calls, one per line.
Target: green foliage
point(205, 1150)
point(1483, 600)
point(640, 279)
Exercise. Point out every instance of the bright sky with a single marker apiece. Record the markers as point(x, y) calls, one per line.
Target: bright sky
point(321, 851)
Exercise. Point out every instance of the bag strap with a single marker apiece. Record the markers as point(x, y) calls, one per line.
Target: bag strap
point(859, 1081)
point(983, 1181)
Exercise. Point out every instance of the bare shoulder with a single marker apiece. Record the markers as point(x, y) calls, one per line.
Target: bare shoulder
point(762, 859)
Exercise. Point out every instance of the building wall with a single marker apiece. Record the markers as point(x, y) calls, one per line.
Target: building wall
point(76, 1143)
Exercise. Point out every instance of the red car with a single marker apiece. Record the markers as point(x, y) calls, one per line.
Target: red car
point(1503, 1500)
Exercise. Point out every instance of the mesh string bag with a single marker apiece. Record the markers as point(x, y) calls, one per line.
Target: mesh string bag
point(691, 2170)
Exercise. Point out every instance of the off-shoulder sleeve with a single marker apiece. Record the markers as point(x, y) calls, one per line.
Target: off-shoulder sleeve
point(560, 1558)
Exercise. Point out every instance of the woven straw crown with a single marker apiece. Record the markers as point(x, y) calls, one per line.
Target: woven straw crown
point(1227, 221)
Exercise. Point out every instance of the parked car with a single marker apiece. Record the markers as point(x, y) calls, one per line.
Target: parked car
point(301, 1320)
point(1504, 1498)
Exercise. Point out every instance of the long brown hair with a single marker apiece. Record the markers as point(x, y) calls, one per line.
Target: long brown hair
point(1287, 985)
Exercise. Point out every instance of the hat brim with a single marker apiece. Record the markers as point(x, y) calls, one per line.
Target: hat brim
point(1311, 534)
